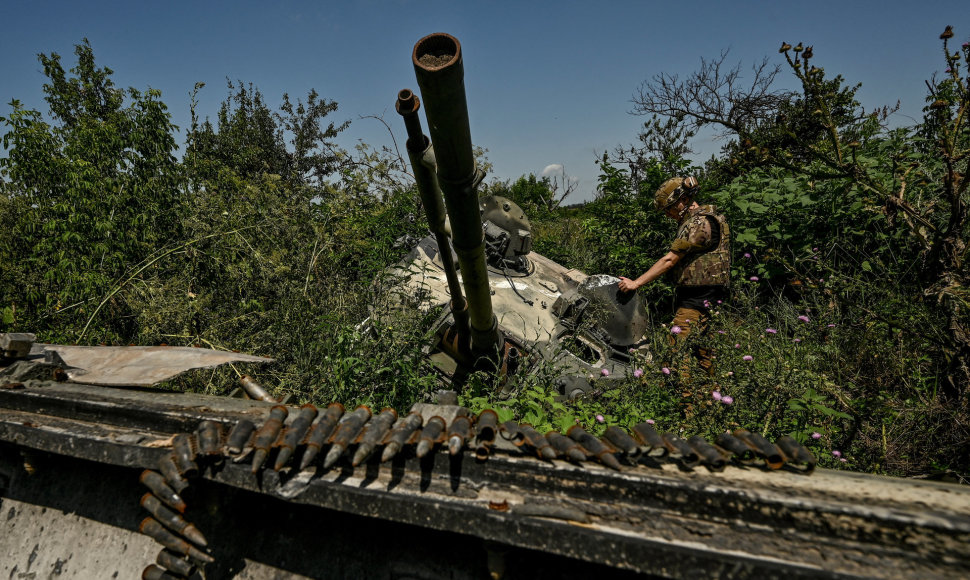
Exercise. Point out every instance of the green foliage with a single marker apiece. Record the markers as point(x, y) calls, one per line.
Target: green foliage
point(90, 192)
point(267, 238)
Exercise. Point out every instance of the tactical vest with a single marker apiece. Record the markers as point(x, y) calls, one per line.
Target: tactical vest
point(709, 268)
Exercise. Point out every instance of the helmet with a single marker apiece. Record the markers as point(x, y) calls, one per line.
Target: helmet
point(672, 191)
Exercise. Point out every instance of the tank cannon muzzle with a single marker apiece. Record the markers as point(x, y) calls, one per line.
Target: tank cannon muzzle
point(440, 73)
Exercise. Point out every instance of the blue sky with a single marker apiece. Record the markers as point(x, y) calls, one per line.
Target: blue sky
point(547, 82)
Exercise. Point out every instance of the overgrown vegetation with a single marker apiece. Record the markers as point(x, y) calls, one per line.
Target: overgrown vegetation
point(848, 324)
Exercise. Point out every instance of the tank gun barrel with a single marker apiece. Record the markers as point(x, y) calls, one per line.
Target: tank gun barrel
point(438, 66)
point(421, 156)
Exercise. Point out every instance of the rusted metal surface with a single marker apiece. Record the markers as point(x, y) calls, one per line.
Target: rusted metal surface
point(565, 446)
point(622, 441)
point(267, 435)
point(172, 520)
point(532, 439)
point(762, 447)
point(294, 434)
point(320, 432)
point(373, 433)
point(796, 455)
point(254, 390)
point(647, 434)
point(156, 531)
point(175, 563)
point(158, 486)
point(134, 366)
point(654, 519)
point(430, 435)
point(170, 471)
point(239, 436)
point(184, 455)
point(594, 446)
point(401, 435)
point(345, 434)
point(458, 433)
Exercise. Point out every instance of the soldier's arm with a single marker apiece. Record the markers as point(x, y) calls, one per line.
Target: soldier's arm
point(659, 268)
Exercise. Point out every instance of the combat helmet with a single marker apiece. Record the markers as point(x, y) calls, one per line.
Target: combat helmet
point(672, 191)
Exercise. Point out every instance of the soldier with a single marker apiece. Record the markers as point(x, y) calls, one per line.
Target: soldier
point(698, 263)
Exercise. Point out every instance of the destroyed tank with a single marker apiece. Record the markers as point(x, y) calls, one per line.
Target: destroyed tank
point(102, 480)
point(504, 307)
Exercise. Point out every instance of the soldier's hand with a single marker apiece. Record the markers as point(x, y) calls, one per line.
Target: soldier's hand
point(627, 285)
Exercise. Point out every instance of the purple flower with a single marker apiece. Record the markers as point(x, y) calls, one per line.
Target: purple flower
point(727, 399)
point(814, 249)
point(675, 330)
point(948, 70)
point(650, 421)
point(600, 419)
point(831, 326)
point(966, 44)
point(605, 372)
point(716, 395)
point(638, 373)
point(843, 460)
point(804, 318)
point(718, 301)
point(631, 351)
point(747, 256)
point(722, 332)
point(737, 345)
point(771, 331)
point(836, 453)
point(730, 373)
point(797, 340)
point(707, 304)
point(816, 435)
point(747, 357)
point(665, 371)
point(753, 278)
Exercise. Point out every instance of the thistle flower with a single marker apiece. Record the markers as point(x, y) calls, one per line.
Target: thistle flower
point(808, 53)
point(753, 278)
point(836, 453)
point(638, 373)
point(771, 331)
point(747, 357)
point(816, 435)
point(722, 332)
point(716, 395)
point(675, 330)
point(948, 70)
point(665, 371)
point(727, 399)
point(804, 318)
point(600, 419)
point(605, 372)
point(784, 47)
point(796, 340)
point(747, 256)
point(730, 373)
point(650, 422)
point(737, 345)
point(843, 460)
point(830, 326)
point(948, 33)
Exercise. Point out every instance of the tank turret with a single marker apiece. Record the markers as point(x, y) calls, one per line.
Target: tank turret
point(505, 306)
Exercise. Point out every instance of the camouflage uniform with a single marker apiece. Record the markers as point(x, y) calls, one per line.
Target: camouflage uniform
point(702, 276)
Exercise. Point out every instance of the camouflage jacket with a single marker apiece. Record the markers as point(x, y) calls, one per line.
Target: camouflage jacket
point(705, 260)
